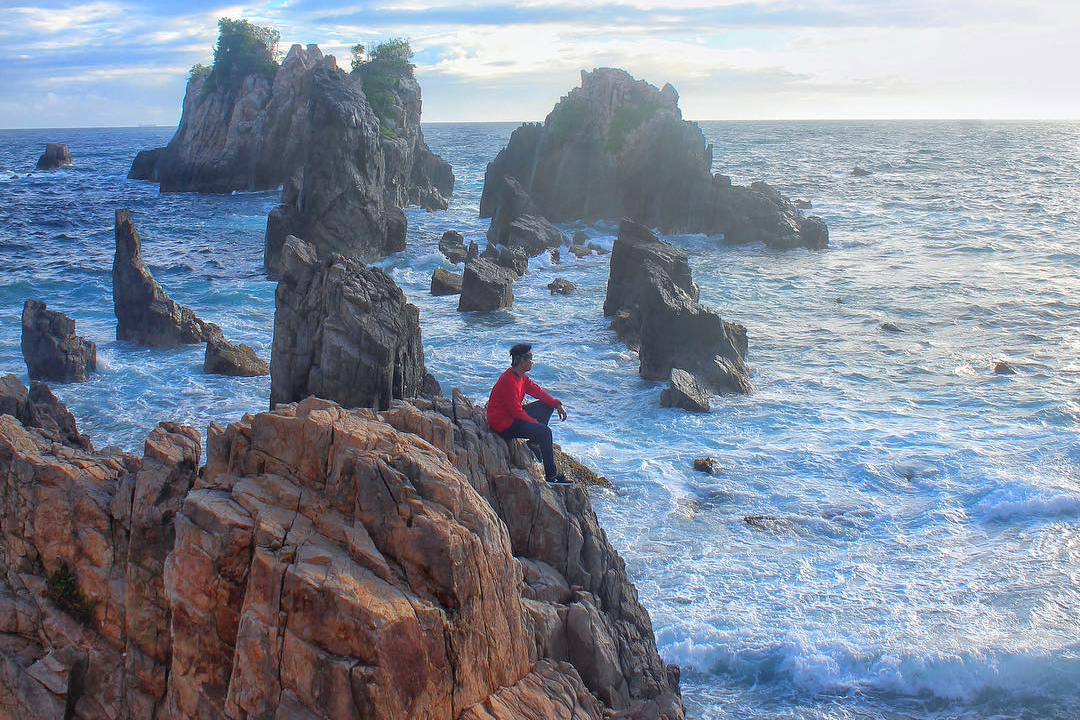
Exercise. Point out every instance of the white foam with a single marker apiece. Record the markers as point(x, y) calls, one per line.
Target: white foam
point(1014, 502)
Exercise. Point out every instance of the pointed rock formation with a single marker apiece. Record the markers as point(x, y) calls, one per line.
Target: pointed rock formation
point(56, 155)
point(51, 348)
point(342, 331)
point(42, 410)
point(145, 315)
point(617, 147)
point(654, 301)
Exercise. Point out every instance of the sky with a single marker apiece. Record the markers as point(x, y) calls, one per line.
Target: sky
point(119, 63)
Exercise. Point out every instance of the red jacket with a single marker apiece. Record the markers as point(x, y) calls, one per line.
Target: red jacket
point(504, 403)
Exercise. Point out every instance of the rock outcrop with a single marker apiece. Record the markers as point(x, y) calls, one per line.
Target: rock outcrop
point(145, 314)
point(452, 246)
point(654, 301)
point(617, 147)
point(226, 358)
point(51, 348)
point(517, 223)
point(486, 286)
point(324, 563)
point(514, 259)
point(561, 286)
point(342, 331)
point(685, 392)
point(42, 410)
point(56, 155)
point(444, 282)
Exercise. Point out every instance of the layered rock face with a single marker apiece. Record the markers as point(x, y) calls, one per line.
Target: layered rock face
point(51, 348)
point(145, 314)
point(342, 331)
point(654, 300)
point(617, 147)
point(324, 564)
point(486, 286)
point(56, 155)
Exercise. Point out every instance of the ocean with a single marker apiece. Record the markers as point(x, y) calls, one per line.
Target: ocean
point(916, 553)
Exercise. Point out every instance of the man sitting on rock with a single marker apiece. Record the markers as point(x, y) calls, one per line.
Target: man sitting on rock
point(507, 417)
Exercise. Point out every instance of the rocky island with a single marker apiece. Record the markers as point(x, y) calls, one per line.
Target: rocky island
point(618, 147)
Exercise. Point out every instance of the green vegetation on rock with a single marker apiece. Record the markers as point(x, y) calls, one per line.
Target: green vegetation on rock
point(386, 64)
point(242, 49)
point(62, 587)
point(568, 117)
point(626, 119)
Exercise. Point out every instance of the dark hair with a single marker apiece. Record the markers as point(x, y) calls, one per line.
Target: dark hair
point(518, 352)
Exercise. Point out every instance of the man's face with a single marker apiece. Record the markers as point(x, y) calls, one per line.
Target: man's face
point(526, 363)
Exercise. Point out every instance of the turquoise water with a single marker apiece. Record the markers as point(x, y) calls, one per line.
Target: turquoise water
point(921, 556)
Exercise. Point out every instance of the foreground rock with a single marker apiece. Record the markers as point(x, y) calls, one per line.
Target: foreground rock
point(517, 223)
point(452, 246)
point(684, 391)
point(617, 147)
point(323, 564)
point(654, 302)
point(486, 286)
point(226, 358)
point(42, 410)
point(51, 348)
point(444, 282)
point(342, 331)
point(56, 155)
point(145, 314)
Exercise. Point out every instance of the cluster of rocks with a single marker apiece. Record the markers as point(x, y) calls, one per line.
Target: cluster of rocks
point(56, 155)
point(40, 409)
point(322, 563)
point(654, 302)
point(618, 148)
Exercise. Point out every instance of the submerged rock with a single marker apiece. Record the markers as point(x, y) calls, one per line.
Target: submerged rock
point(1004, 367)
point(561, 286)
point(653, 299)
point(452, 246)
point(684, 391)
point(860, 172)
point(342, 331)
point(42, 410)
point(891, 327)
point(323, 563)
point(226, 358)
point(486, 286)
point(706, 465)
point(56, 155)
point(51, 348)
point(444, 282)
point(145, 314)
point(619, 148)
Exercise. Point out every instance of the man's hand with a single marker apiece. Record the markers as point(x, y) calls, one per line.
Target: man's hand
point(562, 411)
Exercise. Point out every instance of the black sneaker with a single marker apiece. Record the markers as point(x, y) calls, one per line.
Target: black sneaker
point(560, 479)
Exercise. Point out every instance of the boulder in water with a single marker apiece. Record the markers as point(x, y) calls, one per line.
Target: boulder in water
point(860, 172)
point(891, 327)
point(513, 259)
point(237, 359)
point(561, 286)
point(444, 282)
point(145, 314)
point(684, 391)
point(51, 348)
point(1004, 367)
point(452, 246)
point(486, 286)
point(56, 155)
point(705, 465)
point(517, 223)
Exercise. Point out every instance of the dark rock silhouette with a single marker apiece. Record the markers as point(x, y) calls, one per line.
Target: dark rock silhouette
point(617, 147)
point(452, 246)
point(513, 258)
point(486, 286)
point(444, 282)
point(654, 302)
point(56, 155)
point(226, 358)
point(40, 409)
point(891, 327)
point(51, 348)
point(860, 172)
point(518, 223)
point(145, 314)
point(342, 331)
point(1004, 367)
point(705, 465)
point(684, 391)
point(561, 286)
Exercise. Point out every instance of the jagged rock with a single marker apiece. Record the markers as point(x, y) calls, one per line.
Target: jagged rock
point(655, 304)
point(580, 238)
point(255, 136)
point(598, 249)
point(579, 472)
point(685, 392)
point(860, 172)
point(804, 204)
point(1004, 367)
point(517, 223)
point(580, 250)
point(342, 331)
point(562, 286)
point(324, 563)
point(226, 358)
point(51, 348)
point(618, 148)
point(444, 282)
point(553, 253)
point(891, 327)
point(486, 286)
point(473, 253)
point(513, 259)
point(452, 246)
point(40, 409)
point(145, 315)
point(56, 155)
point(705, 465)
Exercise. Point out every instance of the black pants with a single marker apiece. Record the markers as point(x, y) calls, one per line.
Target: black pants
point(537, 432)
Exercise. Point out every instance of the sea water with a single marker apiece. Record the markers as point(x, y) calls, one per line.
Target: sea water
point(913, 543)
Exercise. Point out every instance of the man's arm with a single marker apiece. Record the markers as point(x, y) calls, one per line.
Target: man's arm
point(537, 392)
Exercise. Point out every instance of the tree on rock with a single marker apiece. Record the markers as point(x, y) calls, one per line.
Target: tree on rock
point(387, 63)
point(243, 49)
